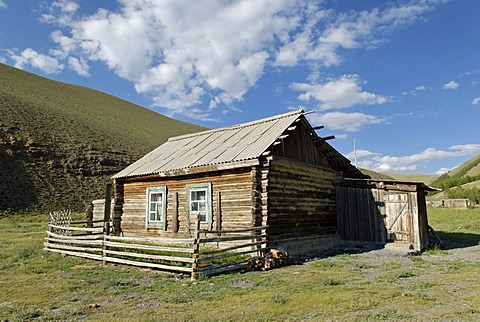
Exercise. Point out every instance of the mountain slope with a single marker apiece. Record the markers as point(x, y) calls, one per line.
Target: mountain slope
point(59, 143)
point(470, 167)
point(466, 176)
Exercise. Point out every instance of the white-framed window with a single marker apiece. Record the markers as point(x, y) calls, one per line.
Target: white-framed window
point(199, 197)
point(156, 207)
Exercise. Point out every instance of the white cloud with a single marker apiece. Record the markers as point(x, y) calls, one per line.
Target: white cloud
point(222, 47)
point(3, 5)
point(378, 162)
point(30, 57)
point(325, 31)
point(182, 53)
point(476, 101)
point(79, 66)
point(450, 85)
point(350, 122)
point(66, 6)
point(442, 171)
point(338, 93)
point(415, 91)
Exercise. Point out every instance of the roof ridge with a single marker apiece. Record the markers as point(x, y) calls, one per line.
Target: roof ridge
point(236, 126)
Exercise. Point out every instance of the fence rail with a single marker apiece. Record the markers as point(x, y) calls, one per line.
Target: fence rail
point(206, 253)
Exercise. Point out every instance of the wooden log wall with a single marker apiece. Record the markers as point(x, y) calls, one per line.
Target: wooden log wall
point(301, 199)
point(235, 188)
point(98, 206)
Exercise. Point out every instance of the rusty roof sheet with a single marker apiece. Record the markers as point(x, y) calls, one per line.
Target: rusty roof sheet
point(213, 147)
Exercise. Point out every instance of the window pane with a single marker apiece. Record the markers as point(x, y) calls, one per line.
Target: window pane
point(201, 195)
point(194, 206)
point(202, 217)
point(155, 197)
point(202, 206)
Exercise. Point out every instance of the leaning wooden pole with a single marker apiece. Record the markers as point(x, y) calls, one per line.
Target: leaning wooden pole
point(106, 217)
point(196, 249)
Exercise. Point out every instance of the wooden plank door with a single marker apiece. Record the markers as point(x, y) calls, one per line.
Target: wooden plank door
point(399, 219)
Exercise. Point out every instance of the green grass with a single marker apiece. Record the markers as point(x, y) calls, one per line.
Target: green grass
point(36, 285)
point(459, 225)
point(59, 143)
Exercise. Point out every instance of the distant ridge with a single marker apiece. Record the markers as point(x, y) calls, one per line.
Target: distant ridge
point(59, 143)
point(425, 178)
point(466, 176)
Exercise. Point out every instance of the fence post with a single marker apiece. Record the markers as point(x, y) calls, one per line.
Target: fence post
point(106, 219)
point(196, 249)
point(107, 208)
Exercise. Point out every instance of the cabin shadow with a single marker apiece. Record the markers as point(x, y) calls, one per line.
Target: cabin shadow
point(451, 240)
point(343, 248)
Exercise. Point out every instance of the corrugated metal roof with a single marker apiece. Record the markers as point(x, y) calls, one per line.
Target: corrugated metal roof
point(219, 146)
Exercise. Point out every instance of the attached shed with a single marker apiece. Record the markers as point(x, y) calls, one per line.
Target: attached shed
point(383, 211)
point(275, 171)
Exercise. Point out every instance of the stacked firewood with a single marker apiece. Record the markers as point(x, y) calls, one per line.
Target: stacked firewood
point(268, 260)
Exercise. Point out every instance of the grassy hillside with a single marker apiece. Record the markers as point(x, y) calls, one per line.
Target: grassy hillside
point(59, 143)
point(376, 175)
point(469, 168)
point(461, 182)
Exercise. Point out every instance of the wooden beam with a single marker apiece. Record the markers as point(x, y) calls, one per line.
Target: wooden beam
point(318, 127)
point(330, 137)
point(175, 213)
point(218, 213)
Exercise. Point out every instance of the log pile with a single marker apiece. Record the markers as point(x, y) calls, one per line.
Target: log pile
point(268, 260)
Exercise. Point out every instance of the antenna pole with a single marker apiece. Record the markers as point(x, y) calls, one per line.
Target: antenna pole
point(355, 152)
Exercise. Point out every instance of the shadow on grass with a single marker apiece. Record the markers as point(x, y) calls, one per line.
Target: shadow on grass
point(452, 240)
point(343, 248)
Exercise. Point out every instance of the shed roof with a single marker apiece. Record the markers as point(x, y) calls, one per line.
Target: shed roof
point(386, 184)
point(236, 145)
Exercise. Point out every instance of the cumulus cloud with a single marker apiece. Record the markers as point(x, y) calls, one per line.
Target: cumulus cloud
point(442, 171)
point(476, 101)
point(379, 162)
point(325, 32)
point(187, 53)
point(30, 57)
point(79, 66)
point(3, 5)
point(415, 91)
point(338, 93)
point(450, 85)
point(350, 122)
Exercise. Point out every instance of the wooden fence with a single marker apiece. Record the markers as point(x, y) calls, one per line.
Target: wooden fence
point(206, 253)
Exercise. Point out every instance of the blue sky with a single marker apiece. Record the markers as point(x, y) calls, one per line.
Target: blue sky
point(401, 78)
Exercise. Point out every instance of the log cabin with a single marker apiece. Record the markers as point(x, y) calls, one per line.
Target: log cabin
point(274, 172)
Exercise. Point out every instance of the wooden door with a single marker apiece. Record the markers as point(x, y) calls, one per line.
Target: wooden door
point(399, 218)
